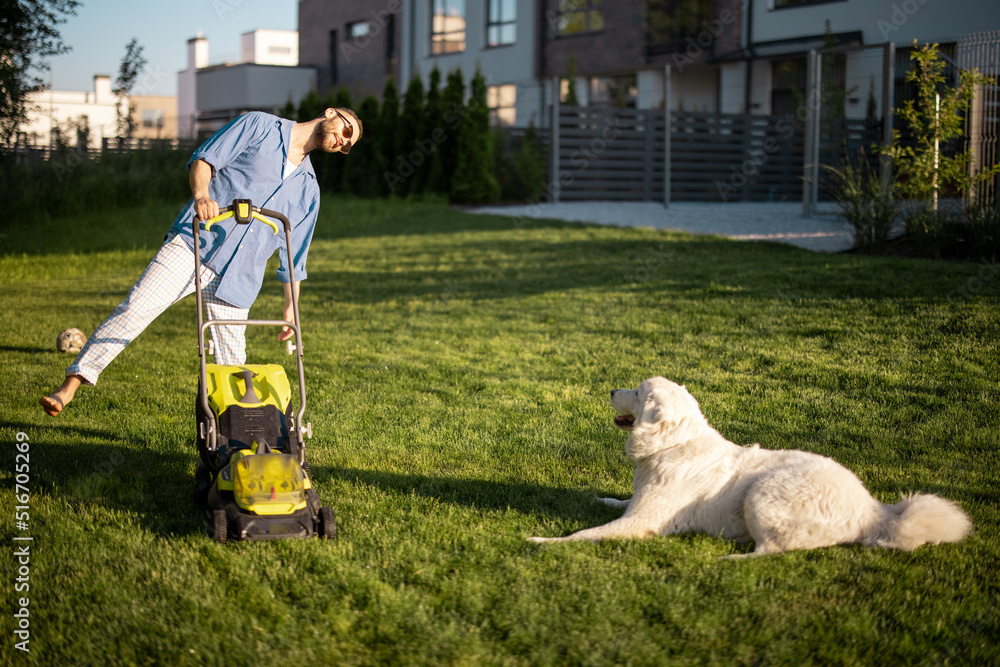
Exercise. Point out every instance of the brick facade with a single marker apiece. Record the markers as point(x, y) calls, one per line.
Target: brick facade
point(362, 65)
point(621, 47)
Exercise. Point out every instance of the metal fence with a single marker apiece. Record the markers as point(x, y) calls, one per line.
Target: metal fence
point(603, 153)
point(981, 51)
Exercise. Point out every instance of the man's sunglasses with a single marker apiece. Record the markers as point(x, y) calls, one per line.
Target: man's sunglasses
point(347, 133)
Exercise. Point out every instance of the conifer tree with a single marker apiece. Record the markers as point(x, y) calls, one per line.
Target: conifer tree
point(310, 107)
point(357, 166)
point(388, 150)
point(474, 181)
point(414, 157)
point(453, 114)
point(435, 130)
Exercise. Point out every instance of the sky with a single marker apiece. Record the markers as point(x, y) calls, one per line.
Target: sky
point(101, 29)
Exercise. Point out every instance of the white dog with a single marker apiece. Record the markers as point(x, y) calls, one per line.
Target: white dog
point(688, 478)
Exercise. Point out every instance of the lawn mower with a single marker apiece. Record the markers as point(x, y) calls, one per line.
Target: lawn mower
point(252, 480)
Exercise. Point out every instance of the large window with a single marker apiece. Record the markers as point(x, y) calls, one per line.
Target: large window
point(502, 101)
point(447, 26)
point(501, 22)
point(579, 16)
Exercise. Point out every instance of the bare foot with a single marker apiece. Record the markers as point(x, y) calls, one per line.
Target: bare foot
point(55, 402)
point(51, 404)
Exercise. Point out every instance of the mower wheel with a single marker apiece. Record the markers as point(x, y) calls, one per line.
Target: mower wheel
point(202, 484)
point(220, 526)
point(327, 525)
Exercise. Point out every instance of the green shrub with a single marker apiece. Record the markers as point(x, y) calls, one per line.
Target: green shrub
point(927, 229)
point(867, 203)
point(521, 165)
point(983, 222)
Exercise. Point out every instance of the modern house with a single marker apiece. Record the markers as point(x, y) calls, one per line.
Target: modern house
point(71, 118)
point(359, 44)
point(266, 78)
point(726, 70)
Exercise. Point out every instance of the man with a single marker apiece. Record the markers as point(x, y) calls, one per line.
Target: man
point(258, 157)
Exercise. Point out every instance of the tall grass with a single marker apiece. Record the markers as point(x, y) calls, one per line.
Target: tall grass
point(458, 369)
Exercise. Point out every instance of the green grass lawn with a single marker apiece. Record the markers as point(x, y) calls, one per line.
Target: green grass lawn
point(458, 369)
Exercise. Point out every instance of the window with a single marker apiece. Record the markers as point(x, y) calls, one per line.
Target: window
point(279, 50)
point(357, 30)
point(501, 101)
point(448, 26)
point(501, 22)
point(669, 23)
point(614, 91)
point(579, 16)
point(152, 117)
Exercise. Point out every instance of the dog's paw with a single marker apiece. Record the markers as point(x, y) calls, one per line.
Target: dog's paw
point(613, 502)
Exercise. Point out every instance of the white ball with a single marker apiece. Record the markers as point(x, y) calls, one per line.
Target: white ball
point(70, 340)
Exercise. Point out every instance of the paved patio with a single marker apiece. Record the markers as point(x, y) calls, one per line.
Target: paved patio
point(780, 222)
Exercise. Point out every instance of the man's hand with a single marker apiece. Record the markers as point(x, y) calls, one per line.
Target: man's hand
point(199, 177)
point(289, 314)
point(206, 207)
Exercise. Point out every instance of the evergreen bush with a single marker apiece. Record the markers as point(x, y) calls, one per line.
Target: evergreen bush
point(406, 174)
point(474, 181)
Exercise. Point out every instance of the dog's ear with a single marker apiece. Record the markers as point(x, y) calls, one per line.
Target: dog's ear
point(652, 404)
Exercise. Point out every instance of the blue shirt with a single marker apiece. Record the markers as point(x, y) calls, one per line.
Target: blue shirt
point(247, 158)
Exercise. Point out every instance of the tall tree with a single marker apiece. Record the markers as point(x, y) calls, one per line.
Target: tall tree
point(411, 136)
point(935, 118)
point(128, 73)
point(28, 36)
point(435, 128)
point(386, 137)
point(474, 181)
point(453, 115)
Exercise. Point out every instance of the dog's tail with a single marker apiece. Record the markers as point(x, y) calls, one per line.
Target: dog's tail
point(923, 519)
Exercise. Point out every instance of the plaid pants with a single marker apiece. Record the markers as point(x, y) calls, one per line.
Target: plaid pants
point(167, 279)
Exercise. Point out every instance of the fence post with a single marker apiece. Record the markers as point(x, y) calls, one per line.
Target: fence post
point(666, 135)
point(888, 86)
point(810, 160)
point(555, 187)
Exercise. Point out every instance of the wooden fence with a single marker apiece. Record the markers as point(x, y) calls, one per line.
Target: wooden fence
point(618, 154)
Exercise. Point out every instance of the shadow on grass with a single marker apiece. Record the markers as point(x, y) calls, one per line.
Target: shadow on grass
point(26, 349)
point(481, 494)
point(134, 478)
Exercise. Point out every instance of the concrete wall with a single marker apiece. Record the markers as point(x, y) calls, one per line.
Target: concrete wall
point(250, 86)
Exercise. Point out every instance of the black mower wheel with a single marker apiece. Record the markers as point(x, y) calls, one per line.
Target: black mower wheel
point(202, 483)
point(220, 526)
point(327, 524)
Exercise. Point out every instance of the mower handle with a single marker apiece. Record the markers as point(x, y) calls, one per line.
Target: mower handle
point(245, 212)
